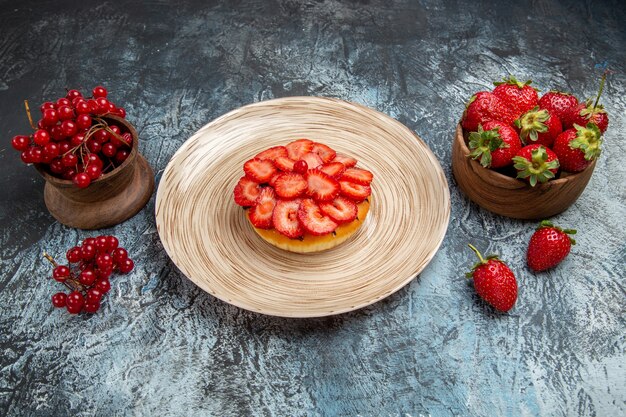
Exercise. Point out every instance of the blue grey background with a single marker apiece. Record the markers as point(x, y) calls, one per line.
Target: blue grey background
point(160, 346)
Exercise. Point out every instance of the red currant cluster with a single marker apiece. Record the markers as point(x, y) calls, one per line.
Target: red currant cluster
point(88, 278)
point(73, 139)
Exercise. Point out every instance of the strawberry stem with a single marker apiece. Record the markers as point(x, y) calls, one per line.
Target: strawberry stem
point(480, 257)
point(599, 92)
point(30, 117)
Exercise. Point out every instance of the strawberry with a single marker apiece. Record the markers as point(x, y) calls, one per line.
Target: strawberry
point(290, 185)
point(259, 170)
point(341, 210)
point(588, 112)
point(496, 145)
point(576, 148)
point(313, 220)
point(520, 97)
point(299, 147)
point(347, 161)
point(558, 103)
point(261, 213)
point(538, 126)
point(326, 153)
point(334, 169)
point(321, 186)
point(536, 163)
point(494, 282)
point(246, 192)
point(272, 153)
point(548, 246)
point(355, 192)
point(272, 181)
point(284, 163)
point(484, 106)
point(312, 160)
point(358, 176)
point(285, 218)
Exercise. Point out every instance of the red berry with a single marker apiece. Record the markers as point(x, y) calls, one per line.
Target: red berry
point(494, 144)
point(59, 300)
point(94, 295)
point(259, 170)
point(47, 105)
point(72, 94)
point(69, 160)
point(36, 154)
point(99, 91)
point(121, 156)
point(93, 145)
point(109, 150)
point(494, 282)
point(326, 153)
point(74, 255)
point(101, 136)
point(75, 300)
point(104, 260)
point(65, 112)
point(484, 106)
point(88, 251)
point(91, 307)
point(26, 157)
point(126, 266)
point(101, 244)
point(94, 171)
point(321, 186)
point(61, 273)
point(578, 147)
point(87, 277)
point(120, 112)
point(112, 243)
point(41, 137)
point(103, 105)
point(50, 151)
point(69, 128)
point(20, 142)
point(89, 241)
point(548, 246)
point(83, 121)
point(536, 163)
point(119, 255)
point(49, 117)
point(300, 166)
point(82, 107)
point(64, 147)
point(56, 166)
point(93, 159)
point(297, 148)
point(63, 102)
point(103, 285)
point(104, 273)
point(77, 139)
point(82, 180)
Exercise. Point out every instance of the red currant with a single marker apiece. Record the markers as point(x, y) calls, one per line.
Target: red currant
point(75, 302)
point(104, 273)
point(74, 255)
point(120, 112)
point(89, 241)
point(94, 295)
point(56, 133)
point(109, 150)
point(36, 154)
point(63, 102)
point(59, 299)
point(69, 173)
point(104, 260)
point(93, 145)
point(121, 156)
point(69, 160)
point(41, 137)
point(47, 105)
point(82, 107)
point(87, 277)
point(69, 128)
point(65, 112)
point(119, 255)
point(61, 273)
point(20, 142)
point(49, 117)
point(94, 171)
point(83, 121)
point(112, 243)
point(101, 244)
point(99, 91)
point(126, 266)
point(103, 285)
point(300, 166)
point(101, 136)
point(82, 180)
point(51, 150)
point(56, 166)
point(88, 251)
point(77, 139)
point(115, 129)
point(91, 307)
point(64, 147)
point(93, 159)
point(103, 105)
point(72, 94)
point(93, 105)
point(26, 157)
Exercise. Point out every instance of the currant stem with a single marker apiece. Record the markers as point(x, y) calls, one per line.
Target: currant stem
point(480, 257)
point(30, 117)
point(50, 259)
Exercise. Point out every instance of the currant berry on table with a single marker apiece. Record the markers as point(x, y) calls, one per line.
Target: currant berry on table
point(87, 274)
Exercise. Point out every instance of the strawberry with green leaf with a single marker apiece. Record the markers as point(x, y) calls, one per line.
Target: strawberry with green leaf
point(483, 107)
point(558, 103)
point(548, 246)
point(494, 144)
point(538, 126)
point(536, 163)
point(517, 95)
point(588, 112)
point(577, 148)
point(494, 281)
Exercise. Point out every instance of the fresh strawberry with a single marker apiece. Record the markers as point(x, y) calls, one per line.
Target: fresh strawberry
point(358, 176)
point(347, 161)
point(284, 163)
point(496, 145)
point(536, 163)
point(246, 192)
point(272, 181)
point(548, 246)
point(355, 192)
point(538, 126)
point(558, 103)
point(312, 160)
point(484, 106)
point(290, 185)
point(313, 220)
point(494, 282)
point(321, 186)
point(259, 170)
point(272, 153)
point(334, 169)
point(261, 213)
point(299, 147)
point(326, 153)
point(285, 218)
point(589, 112)
point(577, 148)
point(341, 210)
point(520, 97)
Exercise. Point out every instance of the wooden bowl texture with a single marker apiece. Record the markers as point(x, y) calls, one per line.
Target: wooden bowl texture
point(509, 196)
point(211, 241)
point(114, 197)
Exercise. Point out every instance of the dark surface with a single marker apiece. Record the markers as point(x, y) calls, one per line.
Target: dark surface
point(161, 346)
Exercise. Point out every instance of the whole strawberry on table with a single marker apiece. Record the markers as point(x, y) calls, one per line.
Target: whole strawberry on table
point(535, 138)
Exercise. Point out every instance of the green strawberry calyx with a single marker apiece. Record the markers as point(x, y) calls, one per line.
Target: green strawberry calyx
point(513, 81)
point(483, 142)
point(548, 224)
point(532, 123)
point(538, 169)
point(588, 140)
point(481, 260)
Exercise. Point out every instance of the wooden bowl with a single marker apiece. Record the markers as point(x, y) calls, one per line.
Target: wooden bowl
point(508, 196)
point(114, 197)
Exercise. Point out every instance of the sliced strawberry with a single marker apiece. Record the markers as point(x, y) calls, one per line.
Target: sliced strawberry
point(348, 161)
point(355, 192)
point(272, 153)
point(321, 186)
point(261, 214)
point(272, 181)
point(313, 220)
point(299, 147)
point(259, 170)
point(285, 218)
point(290, 185)
point(334, 169)
point(246, 192)
point(284, 164)
point(325, 152)
point(358, 176)
point(341, 210)
point(312, 160)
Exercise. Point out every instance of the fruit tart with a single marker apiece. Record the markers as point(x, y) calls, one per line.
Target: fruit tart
point(304, 197)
